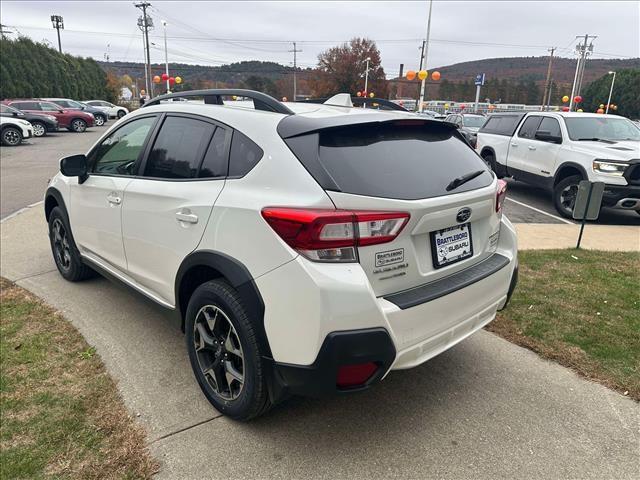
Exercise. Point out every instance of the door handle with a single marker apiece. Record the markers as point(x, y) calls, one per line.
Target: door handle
point(114, 199)
point(531, 147)
point(514, 144)
point(186, 216)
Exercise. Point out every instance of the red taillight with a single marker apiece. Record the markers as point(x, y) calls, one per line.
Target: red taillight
point(501, 194)
point(355, 375)
point(332, 235)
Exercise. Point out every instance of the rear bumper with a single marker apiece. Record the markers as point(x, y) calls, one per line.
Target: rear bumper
point(626, 197)
point(328, 316)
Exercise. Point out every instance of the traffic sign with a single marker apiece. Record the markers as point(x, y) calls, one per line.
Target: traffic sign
point(480, 79)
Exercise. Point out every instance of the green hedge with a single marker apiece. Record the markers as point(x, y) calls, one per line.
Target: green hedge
point(29, 69)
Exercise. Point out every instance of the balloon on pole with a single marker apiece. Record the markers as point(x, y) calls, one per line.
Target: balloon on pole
point(565, 109)
point(172, 80)
point(600, 110)
point(565, 99)
point(156, 79)
point(435, 76)
point(422, 74)
point(371, 95)
point(165, 77)
point(178, 80)
point(411, 75)
point(359, 93)
point(577, 99)
point(579, 110)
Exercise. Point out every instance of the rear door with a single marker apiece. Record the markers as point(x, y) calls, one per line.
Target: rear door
point(523, 143)
point(542, 158)
point(400, 167)
point(167, 207)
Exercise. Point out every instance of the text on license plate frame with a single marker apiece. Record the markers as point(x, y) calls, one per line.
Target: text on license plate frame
point(439, 258)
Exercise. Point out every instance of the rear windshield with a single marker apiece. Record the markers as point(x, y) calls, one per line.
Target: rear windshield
point(501, 125)
point(390, 160)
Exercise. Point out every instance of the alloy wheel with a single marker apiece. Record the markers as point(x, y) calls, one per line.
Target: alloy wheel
point(11, 136)
point(38, 130)
point(78, 126)
point(99, 120)
point(61, 248)
point(568, 197)
point(121, 113)
point(219, 352)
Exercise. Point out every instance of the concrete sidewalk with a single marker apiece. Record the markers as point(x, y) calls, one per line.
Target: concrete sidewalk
point(485, 409)
point(538, 236)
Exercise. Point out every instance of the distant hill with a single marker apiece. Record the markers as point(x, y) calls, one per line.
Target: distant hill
point(534, 68)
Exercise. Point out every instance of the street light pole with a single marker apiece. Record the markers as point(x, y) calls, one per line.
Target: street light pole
point(366, 75)
point(613, 80)
point(58, 23)
point(424, 58)
point(166, 55)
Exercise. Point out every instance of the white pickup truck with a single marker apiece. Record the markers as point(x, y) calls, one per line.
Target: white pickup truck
point(556, 150)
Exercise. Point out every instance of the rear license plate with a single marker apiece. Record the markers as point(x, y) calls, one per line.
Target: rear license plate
point(451, 245)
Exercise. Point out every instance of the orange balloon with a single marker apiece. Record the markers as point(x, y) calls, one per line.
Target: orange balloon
point(156, 79)
point(411, 75)
point(565, 99)
point(422, 74)
point(435, 75)
point(600, 110)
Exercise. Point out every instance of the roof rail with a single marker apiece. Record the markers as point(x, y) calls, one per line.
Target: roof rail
point(213, 96)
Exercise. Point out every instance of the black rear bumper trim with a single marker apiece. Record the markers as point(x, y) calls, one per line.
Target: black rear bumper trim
point(445, 286)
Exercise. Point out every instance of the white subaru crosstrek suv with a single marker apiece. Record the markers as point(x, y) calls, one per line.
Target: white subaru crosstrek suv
point(309, 249)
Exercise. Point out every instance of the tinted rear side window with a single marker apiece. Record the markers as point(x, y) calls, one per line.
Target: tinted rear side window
point(390, 160)
point(179, 148)
point(244, 155)
point(529, 127)
point(501, 125)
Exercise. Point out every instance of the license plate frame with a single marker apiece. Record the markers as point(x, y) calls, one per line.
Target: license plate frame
point(439, 258)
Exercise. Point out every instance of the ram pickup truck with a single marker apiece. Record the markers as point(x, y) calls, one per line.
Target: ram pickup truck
point(556, 150)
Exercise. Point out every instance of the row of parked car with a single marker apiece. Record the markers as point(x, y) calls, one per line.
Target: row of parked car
point(25, 118)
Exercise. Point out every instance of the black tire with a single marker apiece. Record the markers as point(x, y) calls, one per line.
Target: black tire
point(564, 195)
point(39, 129)
point(213, 355)
point(490, 160)
point(121, 113)
point(11, 136)
point(78, 125)
point(100, 120)
point(64, 250)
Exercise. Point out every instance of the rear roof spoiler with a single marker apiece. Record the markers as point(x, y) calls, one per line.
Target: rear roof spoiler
point(295, 125)
point(213, 96)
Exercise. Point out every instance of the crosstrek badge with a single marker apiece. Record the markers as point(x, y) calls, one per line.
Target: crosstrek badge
point(389, 257)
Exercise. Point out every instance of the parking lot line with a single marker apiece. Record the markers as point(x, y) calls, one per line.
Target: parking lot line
point(541, 211)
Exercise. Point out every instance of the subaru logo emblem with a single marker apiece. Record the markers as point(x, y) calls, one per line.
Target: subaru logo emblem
point(463, 214)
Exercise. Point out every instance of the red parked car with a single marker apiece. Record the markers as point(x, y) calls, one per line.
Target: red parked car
point(73, 120)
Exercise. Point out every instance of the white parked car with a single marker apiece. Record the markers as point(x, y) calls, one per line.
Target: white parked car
point(114, 111)
point(556, 150)
point(309, 249)
point(14, 130)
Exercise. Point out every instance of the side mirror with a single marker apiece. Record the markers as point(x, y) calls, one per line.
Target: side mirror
point(74, 166)
point(546, 136)
point(15, 114)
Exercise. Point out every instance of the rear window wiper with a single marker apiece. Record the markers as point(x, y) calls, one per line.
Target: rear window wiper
point(456, 182)
point(595, 139)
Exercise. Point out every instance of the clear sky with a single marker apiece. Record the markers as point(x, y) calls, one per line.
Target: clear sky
point(213, 33)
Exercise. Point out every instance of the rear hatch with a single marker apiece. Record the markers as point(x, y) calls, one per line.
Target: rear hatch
point(405, 166)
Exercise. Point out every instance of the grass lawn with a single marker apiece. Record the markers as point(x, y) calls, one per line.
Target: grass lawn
point(581, 309)
point(60, 413)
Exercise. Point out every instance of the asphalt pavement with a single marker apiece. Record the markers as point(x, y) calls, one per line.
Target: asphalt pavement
point(25, 170)
point(484, 409)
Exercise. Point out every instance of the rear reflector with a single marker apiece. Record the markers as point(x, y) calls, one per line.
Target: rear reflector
point(501, 194)
point(355, 375)
point(333, 235)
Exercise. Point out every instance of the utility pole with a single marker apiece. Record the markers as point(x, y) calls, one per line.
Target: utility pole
point(3, 32)
point(295, 68)
point(58, 23)
point(547, 83)
point(423, 60)
point(582, 50)
point(145, 22)
point(166, 55)
point(106, 55)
